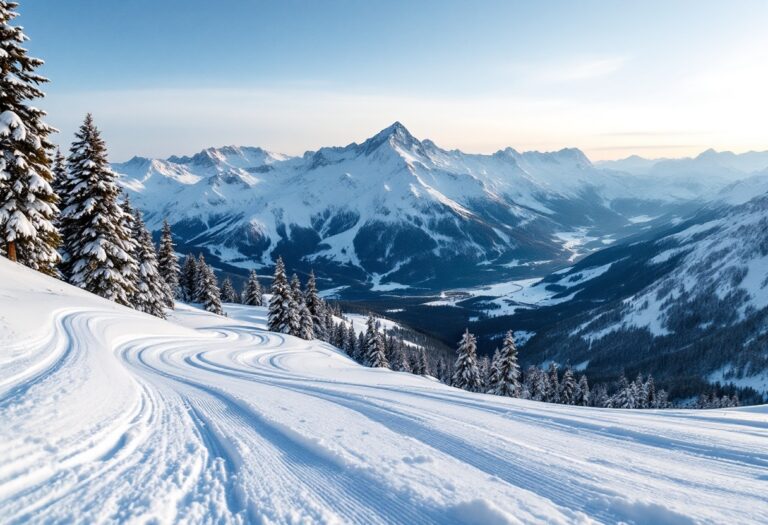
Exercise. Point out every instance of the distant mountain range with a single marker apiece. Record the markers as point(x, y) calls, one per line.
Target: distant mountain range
point(395, 212)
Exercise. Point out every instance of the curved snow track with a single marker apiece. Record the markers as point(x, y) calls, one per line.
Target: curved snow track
point(110, 416)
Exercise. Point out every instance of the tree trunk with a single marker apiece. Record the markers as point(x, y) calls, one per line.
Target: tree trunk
point(12, 251)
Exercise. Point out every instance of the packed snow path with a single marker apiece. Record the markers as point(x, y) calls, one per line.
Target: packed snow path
point(109, 415)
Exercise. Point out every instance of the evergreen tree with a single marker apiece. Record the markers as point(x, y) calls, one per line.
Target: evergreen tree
point(568, 387)
point(621, 399)
point(188, 280)
point(359, 354)
point(508, 375)
point(423, 362)
point(201, 276)
point(168, 264)
point(553, 390)
point(307, 325)
point(466, 375)
point(60, 176)
point(97, 239)
point(649, 393)
point(28, 204)
point(315, 305)
point(210, 295)
point(349, 339)
point(151, 289)
point(375, 355)
point(283, 315)
point(493, 375)
point(252, 294)
point(228, 293)
point(440, 371)
point(582, 392)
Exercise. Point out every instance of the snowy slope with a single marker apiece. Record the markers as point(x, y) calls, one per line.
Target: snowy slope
point(689, 304)
point(110, 415)
point(392, 208)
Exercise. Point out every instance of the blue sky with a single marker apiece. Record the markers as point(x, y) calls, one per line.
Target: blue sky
point(614, 78)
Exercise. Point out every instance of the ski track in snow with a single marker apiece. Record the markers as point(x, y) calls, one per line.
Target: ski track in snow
point(111, 416)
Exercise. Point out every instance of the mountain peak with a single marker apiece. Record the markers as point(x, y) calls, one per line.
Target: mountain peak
point(393, 134)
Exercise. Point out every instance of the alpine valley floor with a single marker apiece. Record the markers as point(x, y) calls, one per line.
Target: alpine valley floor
point(109, 415)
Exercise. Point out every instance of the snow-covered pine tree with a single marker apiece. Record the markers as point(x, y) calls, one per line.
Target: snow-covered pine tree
point(307, 325)
point(252, 294)
point(493, 374)
point(188, 279)
point(151, 289)
point(228, 293)
point(553, 391)
point(465, 374)
point(508, 380)
point(349, 340)
point(649, 392)
point(315, 305)
point(484, 366)
point(98, 244)
point(582, 392)
point(210, 295)
point(359, 354)
point(28, 204)
point(568, 387)
point(59, 183)
point(440, 371)
point(168, 263)
point(200, 278)
point(621, 399)
point(283, 314)
point(375, 354)
point(423, 361)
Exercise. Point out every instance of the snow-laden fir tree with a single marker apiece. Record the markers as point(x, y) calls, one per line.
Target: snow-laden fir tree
point(568, 387)
point(622, 397)
point(283, 314)
point(349, 340)
point(307, 325)
point(97, 240)
point(228, 293)
point(359, 354)
point(168, 263)
point(209, 293)
point(28, 204)
point(315, 305)
point(423, 362)
point(400, 358)
point(493, 373)
point(375, 353)
point(188, 279)
point(508, 375)
point(151, 289)
point(200, 278)
point(252, 293)
point(582, 392)
point(465, 373)
point(59, 183)
point(553, 390)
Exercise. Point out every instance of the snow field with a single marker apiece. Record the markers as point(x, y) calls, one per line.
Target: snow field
point(110, 415)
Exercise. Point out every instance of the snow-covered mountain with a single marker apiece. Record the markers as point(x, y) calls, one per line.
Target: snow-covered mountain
point(689, 304)
point(703, 176)
point(113, 416)
point(394, 210)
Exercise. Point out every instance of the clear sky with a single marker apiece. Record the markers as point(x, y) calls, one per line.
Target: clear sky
point(655, 78)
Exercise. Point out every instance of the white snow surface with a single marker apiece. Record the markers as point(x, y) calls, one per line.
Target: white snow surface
point(109, 415)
